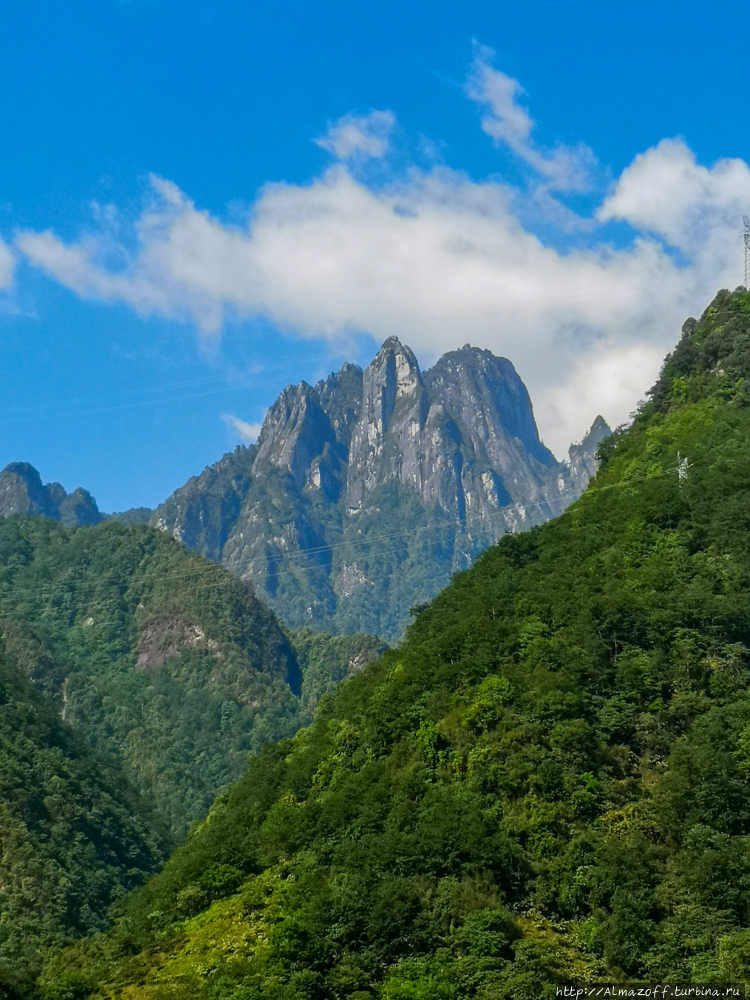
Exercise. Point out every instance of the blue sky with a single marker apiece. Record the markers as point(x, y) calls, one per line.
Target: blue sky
point(203, 201)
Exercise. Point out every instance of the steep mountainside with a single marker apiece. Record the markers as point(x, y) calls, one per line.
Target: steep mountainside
point(368, 490)
point(549, 781)
point(74, 835)
point(22, 492)
point(160, 659)
point(135, 678)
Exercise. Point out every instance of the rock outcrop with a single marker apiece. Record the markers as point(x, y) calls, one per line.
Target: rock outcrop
point(582, 463)
point(22, 492)
point(366, 491)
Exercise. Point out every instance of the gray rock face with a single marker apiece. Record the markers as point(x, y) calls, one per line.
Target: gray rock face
point(368, 490)
point(582, 457)
point(307, 431)
point(385, 442)
point(462, 435)
point(295, 432)
point(22, 492)
point(202, 512)
point(78, 508)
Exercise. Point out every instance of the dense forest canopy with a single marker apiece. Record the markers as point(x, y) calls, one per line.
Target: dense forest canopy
point(75, 835)
point(157, 657)
point(135, 680)
point(548, 781)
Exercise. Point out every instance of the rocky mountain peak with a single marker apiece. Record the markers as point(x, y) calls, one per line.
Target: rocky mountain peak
point(380, 442)
point(393, 372)
point(22, 492)
point(78, 508)
point(486, 393)
point(340, 396)
point(600, 430)
point(582, 456)
point(295, 431)
point(444, 461)
point(308, 429)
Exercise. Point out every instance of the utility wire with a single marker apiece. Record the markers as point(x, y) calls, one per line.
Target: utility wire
point(75, 589)
point(125, 393)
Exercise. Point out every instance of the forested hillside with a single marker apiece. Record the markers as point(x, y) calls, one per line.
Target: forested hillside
point(74, 834)
point(135, 678)
point(548, 781)
point(158, 658)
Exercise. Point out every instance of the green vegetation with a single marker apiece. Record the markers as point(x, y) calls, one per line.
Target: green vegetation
point(548, 781)
point(74, 836)
point(324, 567)
point(325, 660)
point(402, 567)
point(160, 659)
point(135, 679)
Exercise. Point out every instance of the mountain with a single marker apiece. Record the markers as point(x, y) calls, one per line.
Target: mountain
point(135, 679)
point(22, 492)
point(160, 659)
point(582, 457)
point(366, 492)
point(547, 782)
point(75, 835)
point(134, 515)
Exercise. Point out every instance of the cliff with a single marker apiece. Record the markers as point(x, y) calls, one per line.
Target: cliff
point(366, 491)
point(22, 492)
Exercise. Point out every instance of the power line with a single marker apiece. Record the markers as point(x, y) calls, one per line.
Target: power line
point(225, 377)
point(303, 555)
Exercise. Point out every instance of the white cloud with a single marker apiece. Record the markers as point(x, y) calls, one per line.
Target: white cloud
point(564, 168)
point(361, 136)
point(506, 120)
point(244, 430)
point(7, 266)
point(666, 191)
point(438, 259)
point(609, 380)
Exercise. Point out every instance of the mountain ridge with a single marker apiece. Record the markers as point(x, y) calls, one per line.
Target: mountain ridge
point(339, 468)
point(22, 492)
point(547, 783)
point(364, 492)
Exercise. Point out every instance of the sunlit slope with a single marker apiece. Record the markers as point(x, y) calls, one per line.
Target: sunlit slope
point(549, 780)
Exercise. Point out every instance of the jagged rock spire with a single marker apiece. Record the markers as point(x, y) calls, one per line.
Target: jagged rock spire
point(366, 455)
point(22, 492)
